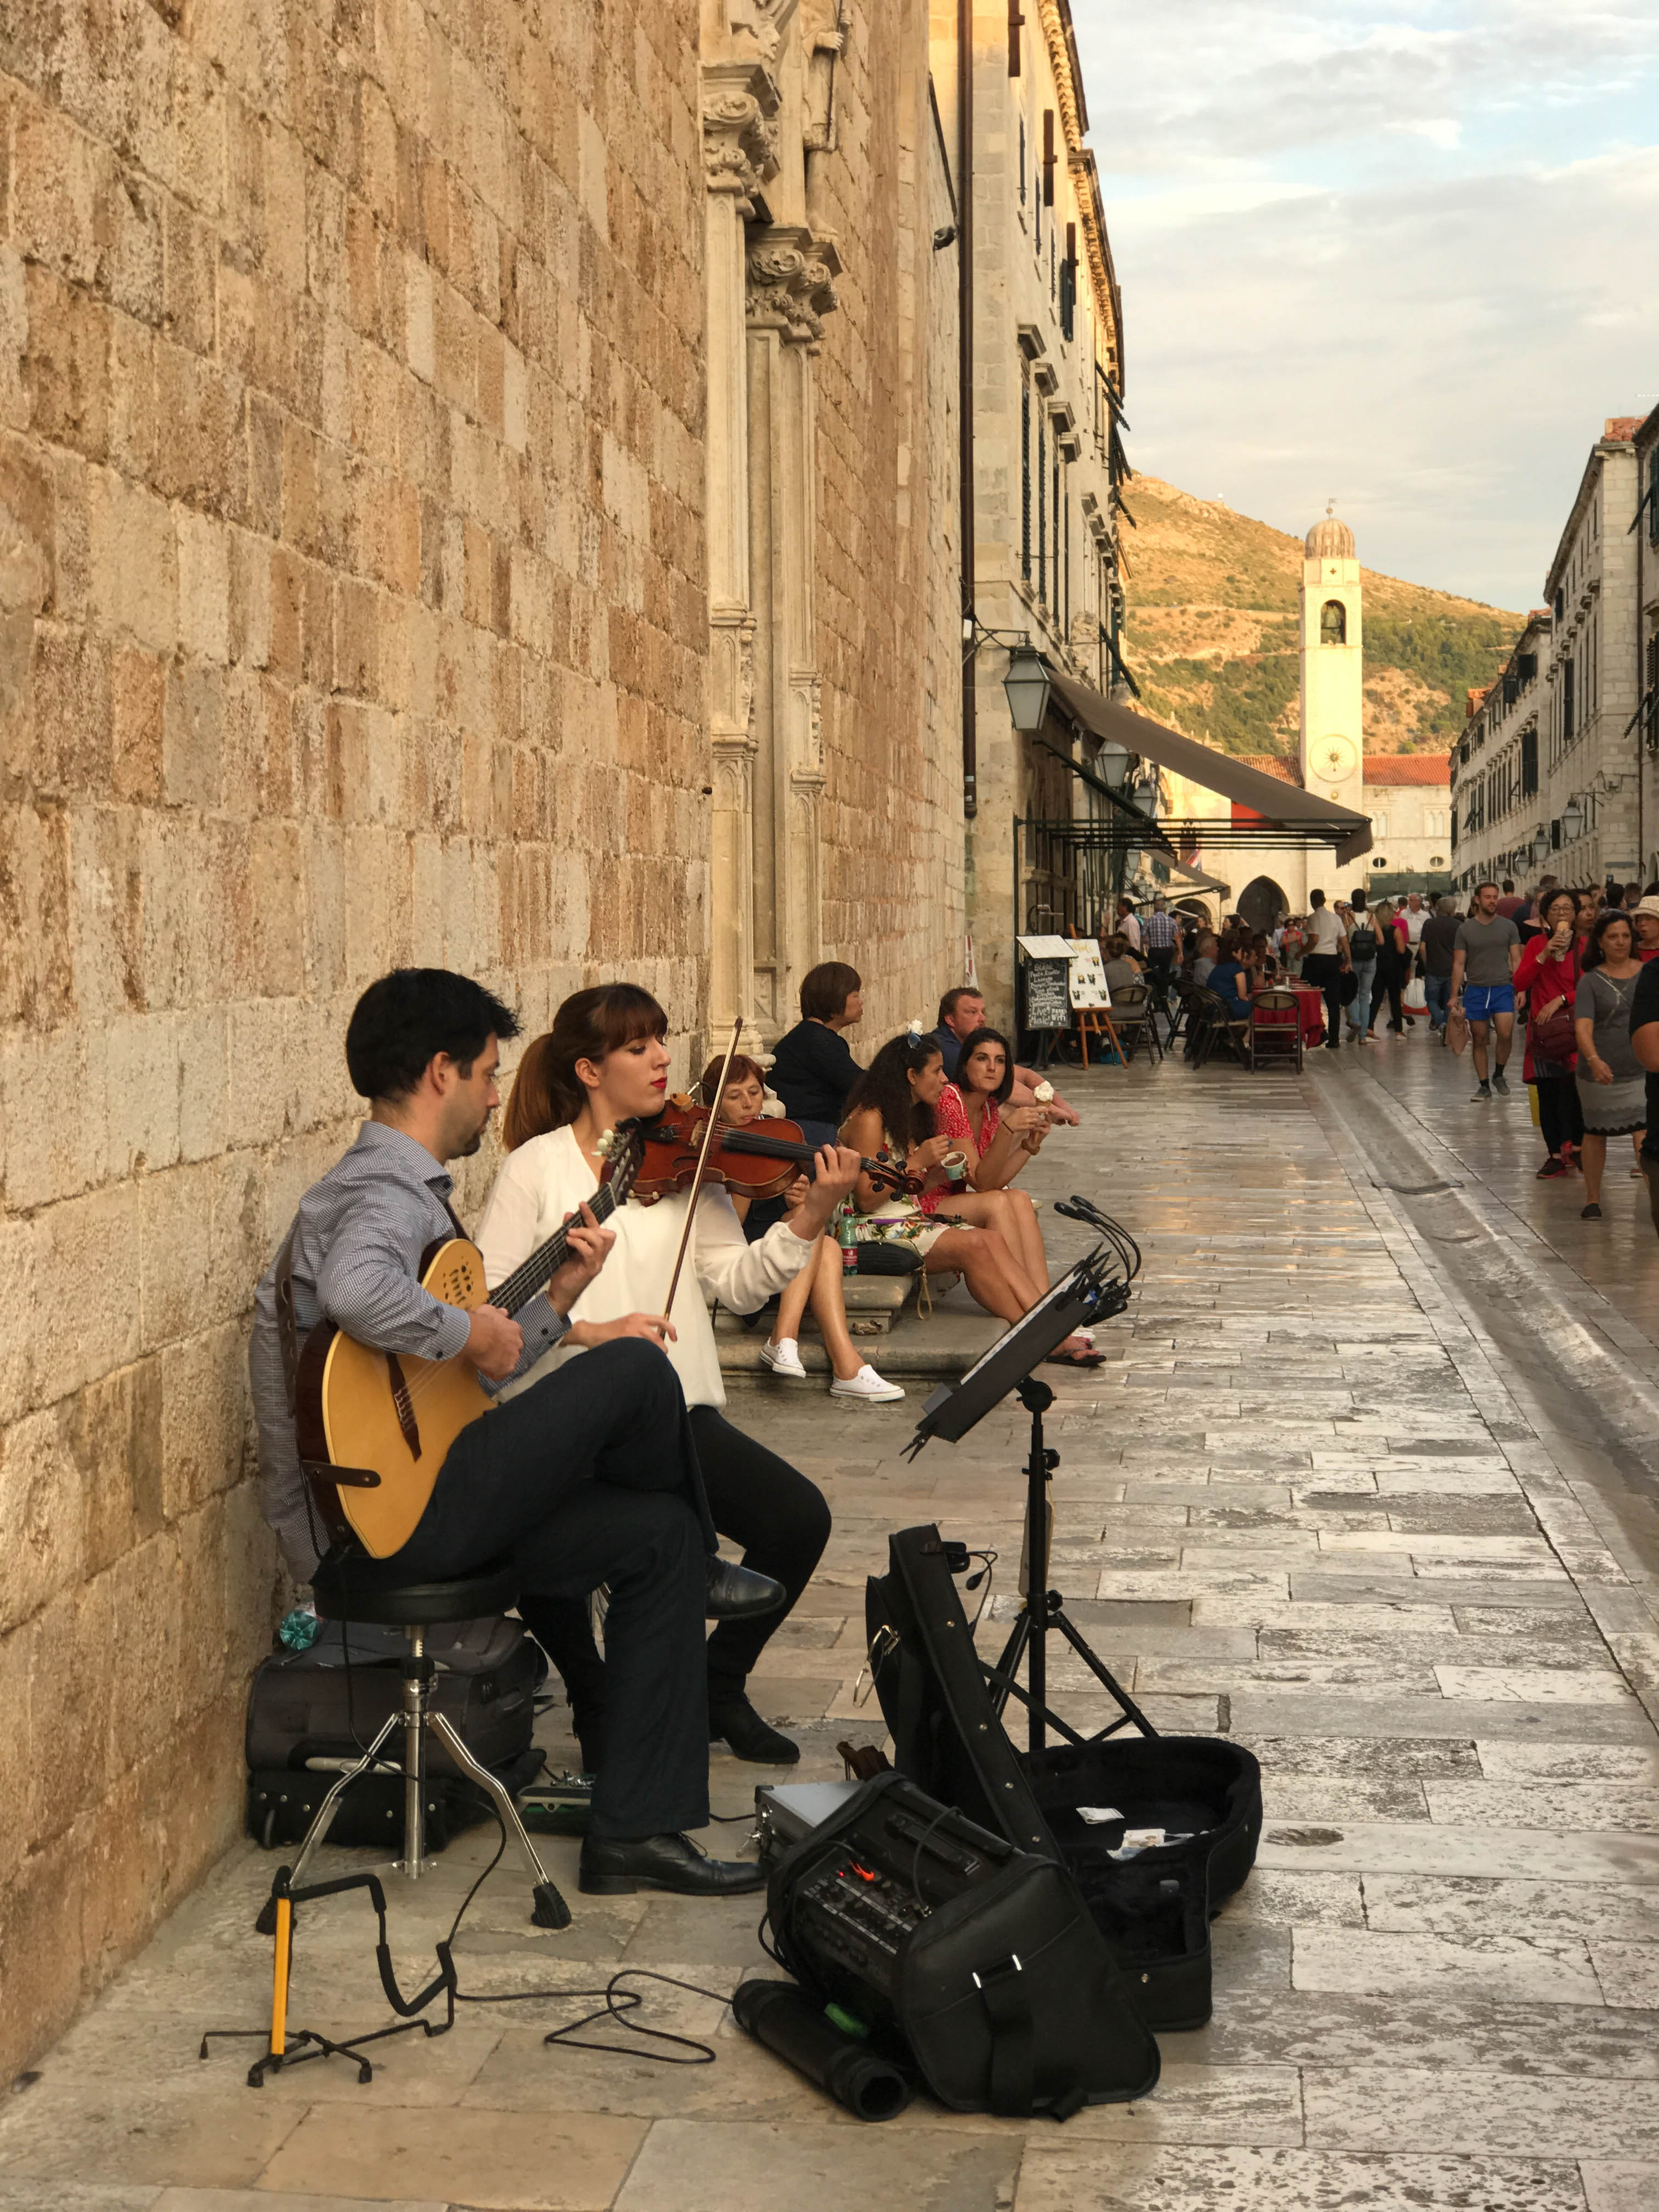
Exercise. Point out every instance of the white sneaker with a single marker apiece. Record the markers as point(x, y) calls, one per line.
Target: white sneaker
point(868, 1385)
point(783, 1358)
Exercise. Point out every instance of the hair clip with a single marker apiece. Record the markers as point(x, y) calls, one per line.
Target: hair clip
point(915, 1030)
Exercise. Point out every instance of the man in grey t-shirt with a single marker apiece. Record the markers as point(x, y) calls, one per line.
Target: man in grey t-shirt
point(1484, 961)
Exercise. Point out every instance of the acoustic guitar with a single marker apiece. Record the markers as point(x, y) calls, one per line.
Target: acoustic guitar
point(374, 1427)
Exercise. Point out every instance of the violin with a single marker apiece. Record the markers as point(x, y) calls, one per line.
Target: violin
point(752, 1159)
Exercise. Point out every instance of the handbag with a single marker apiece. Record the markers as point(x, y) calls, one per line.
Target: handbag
point(1555, 1038)
point(1416, 1001)
point(886, 1260)
point(1347, 989)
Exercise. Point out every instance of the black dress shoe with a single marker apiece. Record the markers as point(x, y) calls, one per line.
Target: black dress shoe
point(734, 1721)
point(739, 1593)
point(616, 1866)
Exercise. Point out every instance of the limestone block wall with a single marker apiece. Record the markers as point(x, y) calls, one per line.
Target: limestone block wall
point(889, 516)
point(351, 612)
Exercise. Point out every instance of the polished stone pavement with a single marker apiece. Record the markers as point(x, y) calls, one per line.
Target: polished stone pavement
point(1365, 1484)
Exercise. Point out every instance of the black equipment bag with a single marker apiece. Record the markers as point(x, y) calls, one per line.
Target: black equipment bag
point(311, 1705)
point(1154, 1908)
point(977, 1962)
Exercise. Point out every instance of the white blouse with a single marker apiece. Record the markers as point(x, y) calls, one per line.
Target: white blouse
point(543, 1181)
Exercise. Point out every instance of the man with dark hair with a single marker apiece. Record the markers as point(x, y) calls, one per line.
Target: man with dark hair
point(961, 1011)
point(589, 1476)
point(1325, 959)
point(1487, 951)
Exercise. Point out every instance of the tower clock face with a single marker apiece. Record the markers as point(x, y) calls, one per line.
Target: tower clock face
point(1333, 757)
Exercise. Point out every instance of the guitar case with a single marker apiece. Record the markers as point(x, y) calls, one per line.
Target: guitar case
point(1154, 1908)
point(325, 1702)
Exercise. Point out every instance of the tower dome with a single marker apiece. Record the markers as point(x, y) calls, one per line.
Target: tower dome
point(1329, 539)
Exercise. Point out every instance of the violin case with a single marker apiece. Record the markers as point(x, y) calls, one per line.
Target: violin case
point(1155, 1907)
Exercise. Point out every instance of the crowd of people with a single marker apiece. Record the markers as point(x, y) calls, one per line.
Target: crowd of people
point(1574, 969)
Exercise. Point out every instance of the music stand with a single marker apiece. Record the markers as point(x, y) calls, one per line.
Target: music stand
point(1096, 1287)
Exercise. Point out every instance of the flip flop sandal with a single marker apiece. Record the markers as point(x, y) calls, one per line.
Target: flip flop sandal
point(1082, 1360)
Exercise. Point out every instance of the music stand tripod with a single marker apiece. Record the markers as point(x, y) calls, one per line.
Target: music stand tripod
point(1096, 1287)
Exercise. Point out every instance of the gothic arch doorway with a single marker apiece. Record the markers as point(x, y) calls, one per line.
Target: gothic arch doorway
point(1261, 903)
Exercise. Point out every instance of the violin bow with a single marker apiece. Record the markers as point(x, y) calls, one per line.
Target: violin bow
point(702, 1156)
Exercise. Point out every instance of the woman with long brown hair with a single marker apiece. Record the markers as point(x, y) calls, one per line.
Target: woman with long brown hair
point(893, 1114)
point(603, 1062)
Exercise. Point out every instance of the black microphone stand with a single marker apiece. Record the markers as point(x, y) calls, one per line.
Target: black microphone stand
point(1095, 1288)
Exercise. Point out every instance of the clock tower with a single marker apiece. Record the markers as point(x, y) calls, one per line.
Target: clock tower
point(1333, 750)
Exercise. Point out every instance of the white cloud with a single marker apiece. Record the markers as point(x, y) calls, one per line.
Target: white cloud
point(1400, 255)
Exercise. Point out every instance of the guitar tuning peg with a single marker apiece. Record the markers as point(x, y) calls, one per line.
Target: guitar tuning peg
point(606, 1144)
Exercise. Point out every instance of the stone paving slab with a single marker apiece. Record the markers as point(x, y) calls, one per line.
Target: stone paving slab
point(1313, 1502)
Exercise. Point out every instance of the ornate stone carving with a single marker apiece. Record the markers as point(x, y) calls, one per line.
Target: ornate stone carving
point(791, 283)
point(824, 30)
point(739, 132)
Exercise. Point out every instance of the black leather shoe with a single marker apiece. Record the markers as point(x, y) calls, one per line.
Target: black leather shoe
point(734, 1721)
point(739, 1593)
point(616, 1866)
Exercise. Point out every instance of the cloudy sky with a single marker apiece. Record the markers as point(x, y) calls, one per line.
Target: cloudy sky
point(1405, 255)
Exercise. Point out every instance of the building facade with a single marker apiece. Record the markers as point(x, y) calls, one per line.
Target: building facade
point(1646, 641)
point(1045, 368)
point(467, 495)
point(1552, 772)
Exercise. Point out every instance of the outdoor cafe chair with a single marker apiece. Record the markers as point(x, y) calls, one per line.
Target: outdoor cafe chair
point(1134, 1015)
point(1274, 1028)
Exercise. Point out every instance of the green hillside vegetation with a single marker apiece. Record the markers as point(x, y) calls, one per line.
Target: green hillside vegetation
point(1212, 634)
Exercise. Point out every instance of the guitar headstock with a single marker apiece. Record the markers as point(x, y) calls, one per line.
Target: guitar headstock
point(623, 1150)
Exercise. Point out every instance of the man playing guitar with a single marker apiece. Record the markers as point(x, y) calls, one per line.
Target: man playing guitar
point(591, 1476)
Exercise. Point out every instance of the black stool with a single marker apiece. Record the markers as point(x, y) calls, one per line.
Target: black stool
point(351, 1586)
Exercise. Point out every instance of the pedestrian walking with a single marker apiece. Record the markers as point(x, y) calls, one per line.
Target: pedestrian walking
point(1392, 968)
point(1644, 1043)
point(1483, 968)
point(1549, 974)
point(1325, 962)
point(1160, 939)
point(1438, 944)
point(1612, 1088)
point(1364, 946)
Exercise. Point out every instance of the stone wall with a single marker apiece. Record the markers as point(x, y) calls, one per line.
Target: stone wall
point(889, 610)
point(351, 612)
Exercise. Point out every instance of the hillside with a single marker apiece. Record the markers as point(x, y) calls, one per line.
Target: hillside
point(1212, 633)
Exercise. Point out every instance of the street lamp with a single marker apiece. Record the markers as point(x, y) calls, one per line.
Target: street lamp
point(1113, 762)
point(1541, 848)
point(1027, 686)
point(1572, 820)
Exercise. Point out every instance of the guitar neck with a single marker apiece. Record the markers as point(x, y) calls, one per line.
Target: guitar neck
point(532, 1278)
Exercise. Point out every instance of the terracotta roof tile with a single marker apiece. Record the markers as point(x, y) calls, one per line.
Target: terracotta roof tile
point(1428, 769)
point(1274, 764)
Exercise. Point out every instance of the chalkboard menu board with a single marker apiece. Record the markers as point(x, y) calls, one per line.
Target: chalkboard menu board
point(1048, 995)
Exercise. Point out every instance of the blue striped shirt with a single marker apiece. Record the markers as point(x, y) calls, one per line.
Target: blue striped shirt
point(358, 1238)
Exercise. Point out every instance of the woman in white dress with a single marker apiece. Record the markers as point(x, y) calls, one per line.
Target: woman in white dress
point(603, 1062)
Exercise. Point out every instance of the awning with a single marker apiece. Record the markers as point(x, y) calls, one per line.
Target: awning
point(1134, 827)
point(1195, 879)
point(1286, 813)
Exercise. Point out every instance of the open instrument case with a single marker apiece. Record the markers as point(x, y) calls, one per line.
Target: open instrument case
point(1155, 1906)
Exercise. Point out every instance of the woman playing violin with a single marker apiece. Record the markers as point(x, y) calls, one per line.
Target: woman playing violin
point(820, 1281)
point(605, 1062)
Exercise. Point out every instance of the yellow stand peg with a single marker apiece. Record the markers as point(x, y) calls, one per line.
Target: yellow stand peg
point(279, 1976)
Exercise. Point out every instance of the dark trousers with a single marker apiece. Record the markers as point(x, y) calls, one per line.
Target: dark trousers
point(1390, 976)
point(592, 1477)
point(1560, 1116)
point(1324, 969)
point(756, 1499)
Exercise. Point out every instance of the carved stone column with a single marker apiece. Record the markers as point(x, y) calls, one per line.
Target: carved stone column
point(790, 286)
point(740, 101)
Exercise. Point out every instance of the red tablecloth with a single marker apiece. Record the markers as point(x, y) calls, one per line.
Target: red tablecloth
point(1311, 1006)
